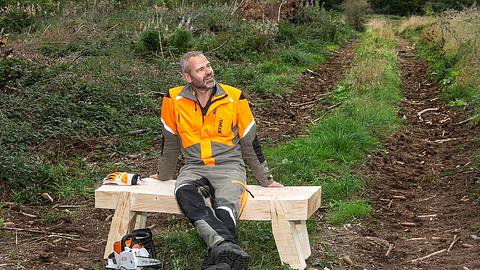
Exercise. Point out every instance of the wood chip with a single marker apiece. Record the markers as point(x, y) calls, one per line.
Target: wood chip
point(465, 245)
point(46, 196)
point(347, 259)
point(390, 204)
point(9, 224)
point(109, 217)
point(82, 249)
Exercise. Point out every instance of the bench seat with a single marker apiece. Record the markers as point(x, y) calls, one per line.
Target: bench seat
point(288, 208)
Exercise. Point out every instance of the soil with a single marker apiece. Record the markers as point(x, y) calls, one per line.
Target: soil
point(421, 188)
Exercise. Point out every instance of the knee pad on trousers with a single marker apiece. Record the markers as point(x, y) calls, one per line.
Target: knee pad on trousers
point(192, 203)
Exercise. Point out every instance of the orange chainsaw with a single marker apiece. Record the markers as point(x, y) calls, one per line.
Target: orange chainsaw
point(134, 251)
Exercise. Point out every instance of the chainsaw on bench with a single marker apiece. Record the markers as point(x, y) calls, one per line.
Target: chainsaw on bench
point(134, 251)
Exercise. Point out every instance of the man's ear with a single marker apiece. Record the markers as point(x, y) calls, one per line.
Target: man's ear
point(187, 77)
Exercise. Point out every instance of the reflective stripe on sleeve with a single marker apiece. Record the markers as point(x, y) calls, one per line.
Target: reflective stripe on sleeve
point(248, 128)
point(169, 129)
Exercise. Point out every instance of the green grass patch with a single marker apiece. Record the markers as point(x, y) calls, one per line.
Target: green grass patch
point(343, 212)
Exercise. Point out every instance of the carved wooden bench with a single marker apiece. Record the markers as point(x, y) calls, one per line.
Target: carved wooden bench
point(288, 208)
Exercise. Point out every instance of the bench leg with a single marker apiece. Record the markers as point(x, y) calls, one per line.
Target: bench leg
point(140, 220)
point(291, 237)
point(123, 221)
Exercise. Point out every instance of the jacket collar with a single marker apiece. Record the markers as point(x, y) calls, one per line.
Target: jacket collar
point(187, 92)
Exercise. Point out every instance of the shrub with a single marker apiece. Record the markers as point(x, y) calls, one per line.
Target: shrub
point(355, 11)
point(181, 40)
point(150, 41)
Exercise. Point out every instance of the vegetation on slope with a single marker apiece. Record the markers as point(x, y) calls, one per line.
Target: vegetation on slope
point(83, 87)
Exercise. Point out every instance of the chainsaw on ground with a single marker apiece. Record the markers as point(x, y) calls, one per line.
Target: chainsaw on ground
point(134, 251)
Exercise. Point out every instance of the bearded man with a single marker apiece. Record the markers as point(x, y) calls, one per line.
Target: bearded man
point(213, 126)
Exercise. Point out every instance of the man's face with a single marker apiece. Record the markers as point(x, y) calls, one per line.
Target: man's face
point(201, 75)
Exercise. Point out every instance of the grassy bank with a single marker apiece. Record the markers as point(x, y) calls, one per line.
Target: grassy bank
point(450, 42)
point(82, 88)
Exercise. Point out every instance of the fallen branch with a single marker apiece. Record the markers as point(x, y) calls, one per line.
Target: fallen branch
point(455, 239)
point(409, 224)
point(42, 232)
point(467, 120)
point(304, 103)
point(427, 216)
point(417, 239)
point(429, 255)
point(218, 48)
point(429, 198)
point(69, 205)
point(424, 111)
point(333, 106)
point(28, 215)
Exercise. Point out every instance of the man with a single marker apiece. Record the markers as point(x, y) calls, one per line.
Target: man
point(213, 126)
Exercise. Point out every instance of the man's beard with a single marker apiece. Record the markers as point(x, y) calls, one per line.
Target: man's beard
point(204, 85)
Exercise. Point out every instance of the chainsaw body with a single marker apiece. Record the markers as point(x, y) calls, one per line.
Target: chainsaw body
point(134, 251)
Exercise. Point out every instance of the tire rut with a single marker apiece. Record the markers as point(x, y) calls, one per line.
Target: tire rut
point(423, 183)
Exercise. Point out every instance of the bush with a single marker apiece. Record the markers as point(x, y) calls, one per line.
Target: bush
point(181, 40)
point(150, 41)
point(355, 11)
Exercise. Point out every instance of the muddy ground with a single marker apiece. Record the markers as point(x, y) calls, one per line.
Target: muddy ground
point(421, 188)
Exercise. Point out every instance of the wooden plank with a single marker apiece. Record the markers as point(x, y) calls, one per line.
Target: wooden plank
point(157, 196)
point(123, 222)
point(287, 237)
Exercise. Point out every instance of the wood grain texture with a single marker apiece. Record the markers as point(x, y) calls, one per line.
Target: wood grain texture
point(152, 195)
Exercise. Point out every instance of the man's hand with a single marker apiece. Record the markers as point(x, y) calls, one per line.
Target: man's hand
point(154, 176)
point(275, 184)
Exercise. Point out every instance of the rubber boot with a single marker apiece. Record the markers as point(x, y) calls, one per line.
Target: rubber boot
point(230, 253)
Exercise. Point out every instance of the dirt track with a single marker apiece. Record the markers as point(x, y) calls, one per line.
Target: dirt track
point(422, 188)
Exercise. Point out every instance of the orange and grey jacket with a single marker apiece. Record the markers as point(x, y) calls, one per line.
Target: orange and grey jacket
point(224, 132)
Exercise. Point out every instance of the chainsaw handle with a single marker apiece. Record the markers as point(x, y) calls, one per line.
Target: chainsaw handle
point(139, 236)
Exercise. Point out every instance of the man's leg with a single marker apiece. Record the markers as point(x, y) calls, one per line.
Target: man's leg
point(229, 183)
point(191, 194)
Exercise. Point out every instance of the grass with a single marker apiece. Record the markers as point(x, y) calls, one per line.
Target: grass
point(346, 211)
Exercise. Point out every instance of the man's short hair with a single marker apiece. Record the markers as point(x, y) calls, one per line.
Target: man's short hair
point(184, 60)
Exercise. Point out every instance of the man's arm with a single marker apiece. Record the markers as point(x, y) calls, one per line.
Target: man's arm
point(171, 143)
point(251, 150)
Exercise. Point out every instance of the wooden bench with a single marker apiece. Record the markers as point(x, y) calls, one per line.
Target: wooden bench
point(288, 208)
